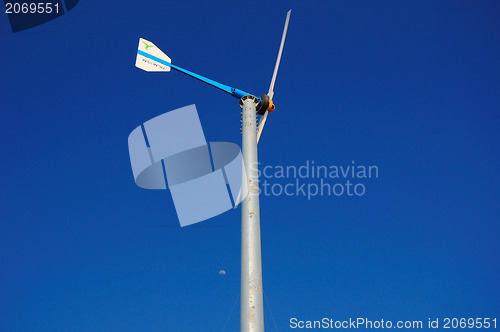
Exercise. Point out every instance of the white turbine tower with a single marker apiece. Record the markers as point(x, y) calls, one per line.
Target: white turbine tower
point(151, 58)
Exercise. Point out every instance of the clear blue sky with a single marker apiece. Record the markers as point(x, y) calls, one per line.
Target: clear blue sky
point(409, 86)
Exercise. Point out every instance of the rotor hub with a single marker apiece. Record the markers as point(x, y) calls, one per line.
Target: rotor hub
point(265, 104)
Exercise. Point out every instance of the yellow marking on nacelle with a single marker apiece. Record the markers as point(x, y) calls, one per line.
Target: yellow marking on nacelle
point(271, 106)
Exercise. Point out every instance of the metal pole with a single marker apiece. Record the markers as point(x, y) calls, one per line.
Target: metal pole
point(252, 306)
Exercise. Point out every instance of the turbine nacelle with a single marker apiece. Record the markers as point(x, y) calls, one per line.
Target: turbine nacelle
point(265, 104)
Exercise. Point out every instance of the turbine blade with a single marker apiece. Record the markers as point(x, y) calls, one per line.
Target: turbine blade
point(273, 80)
point(263, 119)
point(237, 202)
point(150, 57)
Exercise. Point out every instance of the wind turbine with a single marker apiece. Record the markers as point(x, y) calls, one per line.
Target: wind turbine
point(151, 58)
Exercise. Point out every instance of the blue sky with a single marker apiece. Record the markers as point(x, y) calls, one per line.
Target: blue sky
point(408, 86)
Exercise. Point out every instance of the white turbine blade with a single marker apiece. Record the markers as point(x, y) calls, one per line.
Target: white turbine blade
point(262, 121)
point(273, 80)
point(150, 57)
point(237, 202)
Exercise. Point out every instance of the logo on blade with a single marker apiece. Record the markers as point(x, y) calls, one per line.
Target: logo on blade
point(147, 46)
